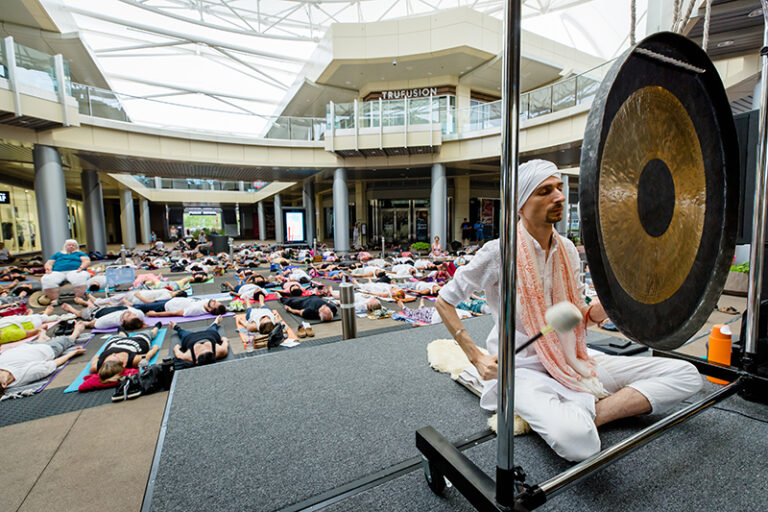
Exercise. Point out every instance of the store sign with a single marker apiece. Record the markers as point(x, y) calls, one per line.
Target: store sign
point(418, 92)
point(5, 197)
point(201, 211)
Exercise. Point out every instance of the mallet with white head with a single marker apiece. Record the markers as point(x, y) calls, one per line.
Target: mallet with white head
point(561, 317)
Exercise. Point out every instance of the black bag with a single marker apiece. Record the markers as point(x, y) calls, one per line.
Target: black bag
point(65, 328)
point(276, 337)
point(156, 377)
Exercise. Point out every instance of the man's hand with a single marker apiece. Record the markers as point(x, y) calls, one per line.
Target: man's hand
point(487, 366)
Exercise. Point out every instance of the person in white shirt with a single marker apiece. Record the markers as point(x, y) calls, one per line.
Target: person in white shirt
point(109, 317)
point(563, 390)
point(187, 306)
point(363, 303)
point(33, 361)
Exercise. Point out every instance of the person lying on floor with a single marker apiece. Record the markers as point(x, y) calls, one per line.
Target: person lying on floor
point(296, 274)
point(363, 303)
point(311, 307)
point(17, 327)
point(249, 292)
point(427, 314)
point(403, 270)
point(123, 352)
point(201, 347)
point(261, 319)
point(186, 306)
point(130, 298)
point(108, 317)
point(179, 284)
point(367, 271)
point(421, 287)
point(291, 289)
point(385, 290)
point(36, 360)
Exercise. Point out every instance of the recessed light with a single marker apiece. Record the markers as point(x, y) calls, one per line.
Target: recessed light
point(381, 78)
point(723, 44)
point(347, 82)
point(429, 73)
point(754, 14)
point(468, 67)
point(409, 68)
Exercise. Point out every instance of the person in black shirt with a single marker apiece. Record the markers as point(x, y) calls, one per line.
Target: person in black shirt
point(311, 307)
point(466, 231)
point(201, 347)
point(122, 352)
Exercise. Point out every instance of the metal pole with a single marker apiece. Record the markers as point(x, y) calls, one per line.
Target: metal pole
point(510, 94)
point(569, 477)
point(759, 213)
point(348, 319)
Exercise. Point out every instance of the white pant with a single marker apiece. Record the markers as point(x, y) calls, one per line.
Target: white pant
point(568, 425)
point(74, 277)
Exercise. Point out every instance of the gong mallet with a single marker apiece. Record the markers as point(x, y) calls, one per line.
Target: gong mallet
point(561, 317)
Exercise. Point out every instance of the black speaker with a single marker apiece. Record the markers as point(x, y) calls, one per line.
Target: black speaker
point(229, 216)
point(747, 128)
point(175, 216)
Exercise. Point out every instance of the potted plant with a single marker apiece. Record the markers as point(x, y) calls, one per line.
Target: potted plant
point(738, 280)
point(420, 248)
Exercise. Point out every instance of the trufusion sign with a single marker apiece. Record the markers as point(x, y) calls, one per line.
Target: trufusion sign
point(5, 197)
point(417, 92)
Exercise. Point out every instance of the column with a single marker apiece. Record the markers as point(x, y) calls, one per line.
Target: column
point(241, 186)
point(158, 182)
point(438, 206)
point(93, 203)
point(51, 194)
point(146, 231)
point(279, 219)
point(127, 222)
point(308, 201)
point(262, 222)
point(361, 211)
point(461, 187)
point(319, 218)
point(340, 210)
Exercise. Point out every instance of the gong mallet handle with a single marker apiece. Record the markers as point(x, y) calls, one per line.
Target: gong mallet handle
point(561, 317)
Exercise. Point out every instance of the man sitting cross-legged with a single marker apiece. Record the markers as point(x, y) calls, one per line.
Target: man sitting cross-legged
point(33, 361)
point(201, 347)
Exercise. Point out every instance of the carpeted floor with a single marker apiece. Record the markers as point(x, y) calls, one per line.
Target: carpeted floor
point(270, 431)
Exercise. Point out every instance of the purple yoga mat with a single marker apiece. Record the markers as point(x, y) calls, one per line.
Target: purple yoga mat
point(165, 320)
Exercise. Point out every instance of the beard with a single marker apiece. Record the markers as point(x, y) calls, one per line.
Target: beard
point(555, 217)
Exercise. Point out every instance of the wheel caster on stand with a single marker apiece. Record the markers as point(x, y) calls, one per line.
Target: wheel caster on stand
point(435, 480)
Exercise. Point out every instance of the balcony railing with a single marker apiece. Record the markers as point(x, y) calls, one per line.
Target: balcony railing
point(199, 184)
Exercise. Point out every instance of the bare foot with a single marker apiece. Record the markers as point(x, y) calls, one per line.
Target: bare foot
point(78, 330)
point(42, 335)
point(172, 325)
point(218, 320)
point(69, 309)
point(48, 310)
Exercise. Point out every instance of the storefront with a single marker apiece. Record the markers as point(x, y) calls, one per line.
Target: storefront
point(19, 226)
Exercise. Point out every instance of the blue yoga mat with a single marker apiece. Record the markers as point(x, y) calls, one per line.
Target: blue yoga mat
point(83, 374)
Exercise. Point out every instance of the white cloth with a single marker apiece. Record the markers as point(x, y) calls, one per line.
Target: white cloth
point(35, 319)
point(376, 288)
point(564, 418)
point(189, 306)
point(151, 295)
point(255, 315)
point(423, 286)
point(529, 177)
point(422, 264)
point(247, 291)
point(28, 362)
point(74, 277)
point(402, 269)
point(366, 270)
point(111, 320)
point(298, 274)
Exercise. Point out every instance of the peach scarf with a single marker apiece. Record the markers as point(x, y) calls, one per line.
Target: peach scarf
point(563, 355)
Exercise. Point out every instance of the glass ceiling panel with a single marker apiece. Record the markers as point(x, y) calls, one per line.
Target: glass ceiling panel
point(244, 55)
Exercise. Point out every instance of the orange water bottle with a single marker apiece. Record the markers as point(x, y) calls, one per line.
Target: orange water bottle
point(719, 348)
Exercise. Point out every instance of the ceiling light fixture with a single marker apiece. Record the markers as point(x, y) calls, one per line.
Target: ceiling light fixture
point(754, 14)
point(723, 44)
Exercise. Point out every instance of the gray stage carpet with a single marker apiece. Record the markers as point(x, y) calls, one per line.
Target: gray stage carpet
point(714, 461)
point(263, 433)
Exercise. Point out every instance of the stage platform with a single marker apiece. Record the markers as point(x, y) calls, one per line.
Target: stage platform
point(332, 427)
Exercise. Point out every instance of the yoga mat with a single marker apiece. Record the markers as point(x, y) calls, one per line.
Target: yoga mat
point(257, 342)
point(157, 341)
point(37, 386)
point(203, 282)
point(215, 296)
point(165, 320)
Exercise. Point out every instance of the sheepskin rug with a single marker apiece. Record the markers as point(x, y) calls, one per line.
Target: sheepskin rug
point(446, 356)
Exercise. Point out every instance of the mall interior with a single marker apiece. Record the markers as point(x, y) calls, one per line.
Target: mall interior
point(125, 121)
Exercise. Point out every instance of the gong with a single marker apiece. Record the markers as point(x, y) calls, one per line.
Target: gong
point(659, 190)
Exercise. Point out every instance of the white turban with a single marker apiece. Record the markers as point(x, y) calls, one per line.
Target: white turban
point(529, 177)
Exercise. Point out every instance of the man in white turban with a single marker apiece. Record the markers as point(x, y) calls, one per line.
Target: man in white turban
point(563, 390)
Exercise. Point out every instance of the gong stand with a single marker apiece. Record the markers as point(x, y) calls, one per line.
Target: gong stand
point(441, 459)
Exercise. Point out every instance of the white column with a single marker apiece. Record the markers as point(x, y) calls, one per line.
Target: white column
point(262, 222)
point(144, 227)
point(279, 220)
point(438, 205)
point(340, 210)
point(127, 222)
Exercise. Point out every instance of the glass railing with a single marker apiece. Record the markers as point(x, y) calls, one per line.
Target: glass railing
point(198, 184)
point(386, 113)
point(37, 69)
point(3, 63)
point(106, 104)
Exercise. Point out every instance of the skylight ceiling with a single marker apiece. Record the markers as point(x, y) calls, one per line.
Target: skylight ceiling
point(237, 58)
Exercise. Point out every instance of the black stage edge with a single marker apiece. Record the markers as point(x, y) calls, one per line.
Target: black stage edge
point(147, 500)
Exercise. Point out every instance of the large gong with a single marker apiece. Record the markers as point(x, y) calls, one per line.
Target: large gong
point(659, 190)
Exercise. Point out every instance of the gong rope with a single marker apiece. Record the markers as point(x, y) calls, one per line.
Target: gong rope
point(632, 23)
point(705, 37)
